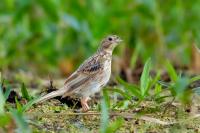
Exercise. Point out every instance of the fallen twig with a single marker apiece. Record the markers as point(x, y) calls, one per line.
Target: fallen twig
point(157, 121)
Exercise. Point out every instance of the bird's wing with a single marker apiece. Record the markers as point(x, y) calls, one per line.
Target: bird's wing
point(85, 72)
point(91, 66)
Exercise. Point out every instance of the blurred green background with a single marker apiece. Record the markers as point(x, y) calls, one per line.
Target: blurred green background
point(44, 35)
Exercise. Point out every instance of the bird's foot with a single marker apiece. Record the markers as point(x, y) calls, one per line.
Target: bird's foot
point(84, 104)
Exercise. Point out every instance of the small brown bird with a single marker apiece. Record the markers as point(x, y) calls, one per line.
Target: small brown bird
point(91, 76)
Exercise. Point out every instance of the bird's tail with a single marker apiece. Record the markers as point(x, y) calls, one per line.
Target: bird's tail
point(51, 95)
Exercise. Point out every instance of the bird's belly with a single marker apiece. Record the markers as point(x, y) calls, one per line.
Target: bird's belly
point(91, 89)
point(97, 83)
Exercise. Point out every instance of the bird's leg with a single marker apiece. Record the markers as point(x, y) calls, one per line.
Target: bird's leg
point(84, 104)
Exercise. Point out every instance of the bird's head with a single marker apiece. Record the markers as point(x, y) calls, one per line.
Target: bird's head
point(110, 42)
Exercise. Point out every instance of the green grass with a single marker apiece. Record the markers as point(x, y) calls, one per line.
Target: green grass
point(114, 115)
point(39, 37)
point(48, 33)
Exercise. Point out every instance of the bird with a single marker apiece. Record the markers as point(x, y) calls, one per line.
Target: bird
point(91, 76)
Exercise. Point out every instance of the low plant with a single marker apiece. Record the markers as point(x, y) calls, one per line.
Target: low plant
point(14, 117)
point(140, 91)
point(179, 86)
point(107, 126)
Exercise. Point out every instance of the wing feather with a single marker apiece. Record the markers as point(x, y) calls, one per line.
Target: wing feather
point(71, 78)
point(85, 72)
point(91, 66)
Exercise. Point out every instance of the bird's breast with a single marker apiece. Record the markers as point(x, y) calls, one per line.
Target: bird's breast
point(106, 72)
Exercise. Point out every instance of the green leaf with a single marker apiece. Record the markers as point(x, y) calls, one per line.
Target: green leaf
point(171, 71)
point(25, 92)
point(50, 8)
point(29, 104)
point(155, 80)
point(181, 85)
point(131, 88)
point(22, 125)
point(112, 128)
point(124, 94)
point(107, 98)
point(2, 101)
point(23, 8)
point(145, 78)
point(123, 104)
point(19, 106)
point(104, 116)
point(158, 89)
point(23, 108)
point(4, 119)
point(105, 126)
point(160, 98)
point(179, 89)
point(165, 84)
point(7, 93)
point(195, 78)
point(152, 83)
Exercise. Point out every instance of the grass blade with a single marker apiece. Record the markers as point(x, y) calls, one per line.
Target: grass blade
point(29, 104)
point(133, 89)
point(7, 93)
point(2, 101)
point(145, 79)
point(125, 95)
point(115, 125)
point(181, 85)
point(19, 106)
point(164, 84)
point(25, 92)
point(104, 116)
point(195, 78)
point(20, 121)
point(106, 97)
point(152, 83)
point(171, 71)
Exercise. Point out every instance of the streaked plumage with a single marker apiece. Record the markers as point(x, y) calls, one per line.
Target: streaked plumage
point(91, 76)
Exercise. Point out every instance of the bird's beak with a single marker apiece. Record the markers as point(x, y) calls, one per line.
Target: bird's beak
point(119, 40)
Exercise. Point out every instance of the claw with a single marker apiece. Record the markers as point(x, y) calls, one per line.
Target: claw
point(84, 104)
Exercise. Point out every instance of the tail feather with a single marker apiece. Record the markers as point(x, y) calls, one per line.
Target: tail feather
point(51, 95)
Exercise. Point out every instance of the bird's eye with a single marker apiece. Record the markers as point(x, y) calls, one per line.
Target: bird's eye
point(110, 39)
